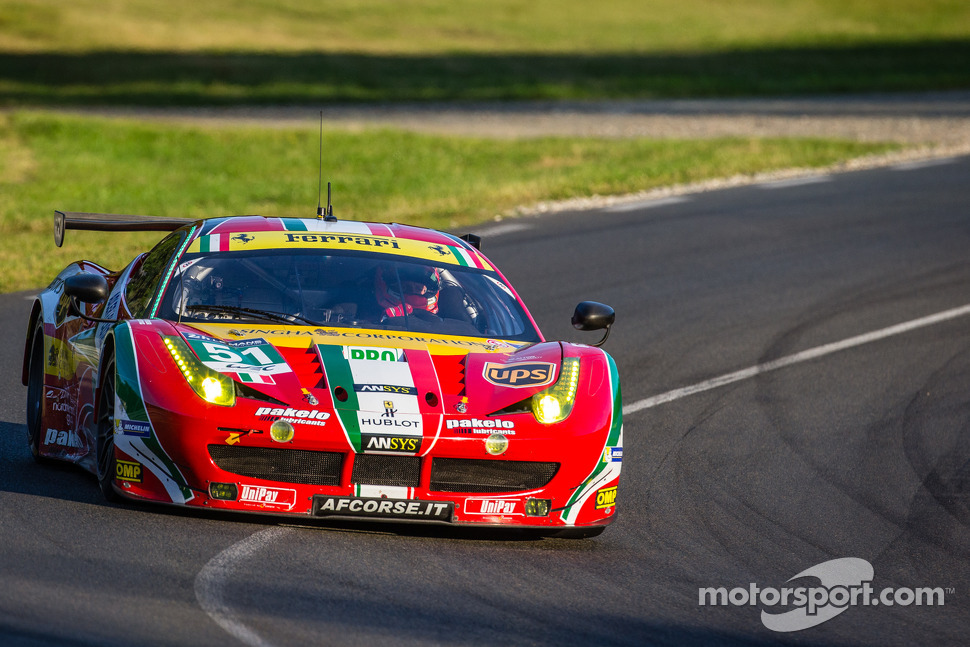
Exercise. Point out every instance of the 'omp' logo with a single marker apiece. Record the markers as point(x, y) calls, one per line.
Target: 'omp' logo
point(128, 471)
point(606, 498)
point(520, 374)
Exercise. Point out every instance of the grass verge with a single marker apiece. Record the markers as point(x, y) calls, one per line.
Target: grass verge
point(392, 27)
point(183, 52)
point(178, 79)
point(52, 162)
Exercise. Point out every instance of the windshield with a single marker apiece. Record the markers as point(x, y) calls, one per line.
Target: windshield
point(306, 287)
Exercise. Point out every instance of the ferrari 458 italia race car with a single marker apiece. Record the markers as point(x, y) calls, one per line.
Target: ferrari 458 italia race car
point(321, 368)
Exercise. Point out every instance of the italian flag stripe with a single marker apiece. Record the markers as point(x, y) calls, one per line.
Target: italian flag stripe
point(461, 256)
point(127, 385)
point(603, 472)
point(209, 243)
point(337, 372)
point(252, 378)
point(214, 243)
point(616, 429)
point(293, 224)
point(381, 230)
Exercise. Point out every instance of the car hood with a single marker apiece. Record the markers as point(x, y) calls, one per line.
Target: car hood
point(376, 371)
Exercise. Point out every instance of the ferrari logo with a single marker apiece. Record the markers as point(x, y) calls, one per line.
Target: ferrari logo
point(389, 409)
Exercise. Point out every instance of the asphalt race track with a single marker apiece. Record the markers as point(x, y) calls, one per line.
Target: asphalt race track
point(860, 450)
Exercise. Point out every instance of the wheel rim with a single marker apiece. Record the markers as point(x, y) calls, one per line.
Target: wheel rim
point(106, 427)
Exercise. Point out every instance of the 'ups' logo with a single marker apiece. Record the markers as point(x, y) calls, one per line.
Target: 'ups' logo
point(520, 374)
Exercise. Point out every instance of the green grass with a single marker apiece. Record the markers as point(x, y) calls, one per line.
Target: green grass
point(183, 52)
point(168, 79)
point(471, 26)
point(50, 162)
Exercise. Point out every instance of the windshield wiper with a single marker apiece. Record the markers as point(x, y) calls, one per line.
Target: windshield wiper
point(268, 315)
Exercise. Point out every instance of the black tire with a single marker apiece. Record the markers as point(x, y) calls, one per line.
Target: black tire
point(35, 393)
point(106, 432)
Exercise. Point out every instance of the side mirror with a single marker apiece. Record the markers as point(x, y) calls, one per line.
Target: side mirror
point(590, 315)
point(87, 288)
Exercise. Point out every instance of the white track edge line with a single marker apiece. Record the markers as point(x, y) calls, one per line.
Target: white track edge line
point(499, 230)
point(795, 182)
point(647, 204)
point(802, 356)
point(211, 580)
point(921, 164)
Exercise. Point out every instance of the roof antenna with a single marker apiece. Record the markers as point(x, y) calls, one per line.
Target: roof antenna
point(321, 213)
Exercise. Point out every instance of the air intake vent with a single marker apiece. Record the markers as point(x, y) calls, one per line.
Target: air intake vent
point(378, 469)
point(285, 465)
point(478, 475)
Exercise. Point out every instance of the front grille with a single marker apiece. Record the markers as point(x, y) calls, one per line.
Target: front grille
point(380, 469)
point(478, 475)
point(286, 465)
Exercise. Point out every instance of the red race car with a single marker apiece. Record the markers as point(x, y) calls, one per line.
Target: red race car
point(325, 368)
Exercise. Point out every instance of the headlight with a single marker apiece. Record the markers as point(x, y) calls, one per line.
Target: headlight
point(555, 403)
point(496, 444)
point(281, 431)
point(212, 386)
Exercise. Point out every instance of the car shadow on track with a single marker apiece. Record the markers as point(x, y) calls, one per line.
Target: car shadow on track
point(21, 474)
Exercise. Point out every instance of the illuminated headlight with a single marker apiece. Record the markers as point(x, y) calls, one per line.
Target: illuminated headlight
point(281, 431)
point(555, 403)
point(537, 507)
point(496, 444)
point(548, 408)
point(212, 386)
point(223, 491)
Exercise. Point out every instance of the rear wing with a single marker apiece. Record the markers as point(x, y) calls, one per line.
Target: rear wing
point(64, 220)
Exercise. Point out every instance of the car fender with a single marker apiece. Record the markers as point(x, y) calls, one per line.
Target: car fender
point(35, 314)
point(596, 496)
point(135, 436)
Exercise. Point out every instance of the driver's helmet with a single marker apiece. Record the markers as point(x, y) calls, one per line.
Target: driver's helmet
point(420, 285)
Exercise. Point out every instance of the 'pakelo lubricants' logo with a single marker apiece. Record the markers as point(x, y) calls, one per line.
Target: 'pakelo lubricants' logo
point(62, 438)
point(520, 374)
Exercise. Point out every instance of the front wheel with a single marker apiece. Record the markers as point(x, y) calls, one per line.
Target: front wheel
point(35, 393)
point(106, 433)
